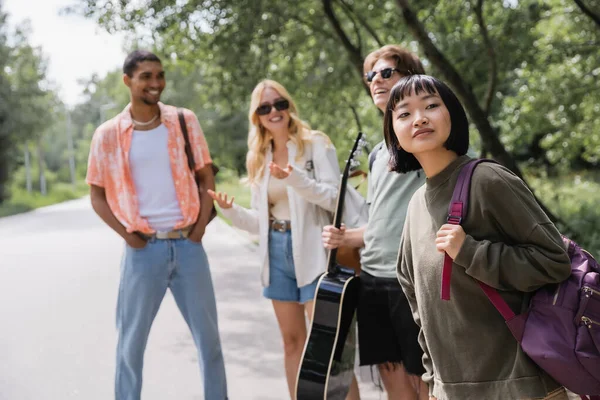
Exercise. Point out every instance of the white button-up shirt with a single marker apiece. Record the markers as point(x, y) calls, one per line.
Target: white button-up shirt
point(312, 189)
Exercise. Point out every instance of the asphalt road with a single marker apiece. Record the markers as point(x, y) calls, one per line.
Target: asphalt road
point(58, 290)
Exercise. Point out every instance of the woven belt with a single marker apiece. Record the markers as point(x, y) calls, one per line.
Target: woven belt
point(174, 234)
point(280, 225)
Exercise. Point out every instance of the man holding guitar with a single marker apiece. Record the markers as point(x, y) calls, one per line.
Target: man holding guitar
point(387, 333)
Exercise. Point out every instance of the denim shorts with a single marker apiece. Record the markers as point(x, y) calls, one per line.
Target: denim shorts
point(282, 275)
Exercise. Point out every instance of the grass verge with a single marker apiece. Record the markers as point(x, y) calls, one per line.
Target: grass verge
point(21, 201)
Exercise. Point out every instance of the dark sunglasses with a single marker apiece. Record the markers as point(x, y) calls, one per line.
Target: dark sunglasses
point(279, 105)
point(386, 73)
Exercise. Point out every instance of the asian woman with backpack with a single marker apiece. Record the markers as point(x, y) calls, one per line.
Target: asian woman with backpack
point(506, 241)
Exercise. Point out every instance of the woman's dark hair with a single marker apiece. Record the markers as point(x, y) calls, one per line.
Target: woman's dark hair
point(136, 57)
point(458, 140)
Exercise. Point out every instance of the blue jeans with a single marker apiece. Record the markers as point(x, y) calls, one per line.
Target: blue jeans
point(182, 266)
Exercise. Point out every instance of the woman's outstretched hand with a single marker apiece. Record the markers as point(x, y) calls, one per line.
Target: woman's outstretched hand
point(278, 172)
point(221, 199)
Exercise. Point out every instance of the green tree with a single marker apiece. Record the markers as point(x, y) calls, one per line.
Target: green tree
point(316, 49)
point(234, 44)
point(5, 110)
point(26, 99)
point(525, 70)
point(593, 12)
point(552, 111)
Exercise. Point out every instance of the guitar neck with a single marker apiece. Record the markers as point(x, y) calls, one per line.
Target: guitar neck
point(337, 222)
point(339, 208)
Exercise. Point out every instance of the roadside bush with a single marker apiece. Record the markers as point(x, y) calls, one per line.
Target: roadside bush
point(576, 201)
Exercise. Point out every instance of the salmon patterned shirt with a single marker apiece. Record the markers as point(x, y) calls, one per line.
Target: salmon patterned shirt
point(108, 166)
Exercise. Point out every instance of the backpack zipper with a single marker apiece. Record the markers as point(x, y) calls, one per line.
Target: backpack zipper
point(589, 291)
point(588, 322)
point(586, 294)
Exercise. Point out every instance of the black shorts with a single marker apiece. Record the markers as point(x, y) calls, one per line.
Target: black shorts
point(387, 331)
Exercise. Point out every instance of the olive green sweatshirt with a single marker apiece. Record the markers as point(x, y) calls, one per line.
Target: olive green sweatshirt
point(512, 246)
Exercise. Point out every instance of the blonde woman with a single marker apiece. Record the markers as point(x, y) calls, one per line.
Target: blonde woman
point(293, 173)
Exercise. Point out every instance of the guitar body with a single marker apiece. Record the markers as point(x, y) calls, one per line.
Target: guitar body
point(328, 361)
point(349, 257)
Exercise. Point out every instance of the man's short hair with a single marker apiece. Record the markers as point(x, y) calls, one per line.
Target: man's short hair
point(136, 57)
point(406, 62)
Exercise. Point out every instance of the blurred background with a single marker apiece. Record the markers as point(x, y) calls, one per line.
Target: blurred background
point(526, 70)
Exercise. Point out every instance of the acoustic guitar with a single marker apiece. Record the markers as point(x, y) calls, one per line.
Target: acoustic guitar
point(328, 359)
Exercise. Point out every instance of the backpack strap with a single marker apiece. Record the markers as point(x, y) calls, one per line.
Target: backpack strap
point(497, 301)
point(186, 137)
point(190, 158)
point(373, 155)
point(457, 212)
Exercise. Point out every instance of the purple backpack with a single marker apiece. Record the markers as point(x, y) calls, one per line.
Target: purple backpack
point(561, 329)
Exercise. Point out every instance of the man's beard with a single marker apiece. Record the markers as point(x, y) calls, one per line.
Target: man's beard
point(148, 99)
point(150, 102)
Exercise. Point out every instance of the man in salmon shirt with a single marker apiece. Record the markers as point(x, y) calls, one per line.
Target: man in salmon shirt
point(142, 187)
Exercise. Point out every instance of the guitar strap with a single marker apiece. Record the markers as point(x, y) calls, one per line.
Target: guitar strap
point(373, 155)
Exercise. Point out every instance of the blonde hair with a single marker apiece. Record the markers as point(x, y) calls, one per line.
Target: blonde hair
point(259, 139)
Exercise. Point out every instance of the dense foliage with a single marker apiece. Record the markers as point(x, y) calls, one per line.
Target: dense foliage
point(526, 70)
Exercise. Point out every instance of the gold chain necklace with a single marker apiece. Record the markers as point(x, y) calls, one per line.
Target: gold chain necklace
point(142, 124)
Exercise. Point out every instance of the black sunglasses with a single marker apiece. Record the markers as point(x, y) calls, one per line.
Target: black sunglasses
point(279, 105)
point(386, 73)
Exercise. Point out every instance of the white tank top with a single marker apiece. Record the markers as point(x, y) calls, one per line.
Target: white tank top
point(153, 180)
